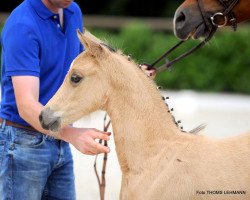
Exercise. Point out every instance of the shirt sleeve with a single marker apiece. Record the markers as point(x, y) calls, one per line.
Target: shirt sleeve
point(21, 52)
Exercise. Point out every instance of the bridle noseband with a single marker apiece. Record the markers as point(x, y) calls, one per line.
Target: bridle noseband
point(227, 14)
point(210, 24)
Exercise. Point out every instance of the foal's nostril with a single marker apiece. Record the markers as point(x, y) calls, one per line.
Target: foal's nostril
point(55, 124)
point(41, 117)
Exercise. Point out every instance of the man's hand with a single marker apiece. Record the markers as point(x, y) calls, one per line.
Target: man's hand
point(151, 73)
point(84, 140)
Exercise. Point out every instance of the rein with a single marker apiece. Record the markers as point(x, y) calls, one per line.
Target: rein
point(211, 26)
point(169, 64)
point(102, 180)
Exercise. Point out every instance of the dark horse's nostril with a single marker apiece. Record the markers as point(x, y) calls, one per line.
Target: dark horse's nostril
point(181, 17)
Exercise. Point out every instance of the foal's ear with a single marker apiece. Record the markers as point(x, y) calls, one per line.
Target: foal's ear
point(80, 37)
point(90, 42)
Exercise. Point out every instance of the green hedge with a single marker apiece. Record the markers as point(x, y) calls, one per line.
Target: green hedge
point(223, 65)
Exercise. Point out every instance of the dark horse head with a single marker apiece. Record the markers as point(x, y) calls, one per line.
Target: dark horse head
point(193, 17)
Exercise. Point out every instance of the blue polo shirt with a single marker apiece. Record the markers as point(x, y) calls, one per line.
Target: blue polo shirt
point(34, 44)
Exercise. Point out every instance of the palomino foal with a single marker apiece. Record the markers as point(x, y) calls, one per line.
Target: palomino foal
point(158, 162)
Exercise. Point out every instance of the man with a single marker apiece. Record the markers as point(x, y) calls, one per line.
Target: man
point(39, 43)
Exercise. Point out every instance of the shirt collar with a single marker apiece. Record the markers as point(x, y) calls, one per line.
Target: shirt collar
point(43, 11)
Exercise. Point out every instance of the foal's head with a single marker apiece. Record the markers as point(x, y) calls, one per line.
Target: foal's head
point(87, 86)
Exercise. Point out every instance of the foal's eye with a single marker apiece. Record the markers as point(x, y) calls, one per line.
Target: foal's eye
point(75, 78)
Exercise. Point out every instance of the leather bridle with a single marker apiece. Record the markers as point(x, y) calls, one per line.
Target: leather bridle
point(211, 24)
point(227, 15)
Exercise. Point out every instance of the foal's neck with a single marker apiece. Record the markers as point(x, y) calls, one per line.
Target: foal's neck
point(141, 122)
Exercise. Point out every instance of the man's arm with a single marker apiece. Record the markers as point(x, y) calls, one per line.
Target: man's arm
point(26, 90)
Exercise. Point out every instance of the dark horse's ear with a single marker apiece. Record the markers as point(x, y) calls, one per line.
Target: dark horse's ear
point(90, 42)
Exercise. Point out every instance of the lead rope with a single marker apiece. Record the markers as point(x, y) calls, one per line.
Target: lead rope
point(102, 180)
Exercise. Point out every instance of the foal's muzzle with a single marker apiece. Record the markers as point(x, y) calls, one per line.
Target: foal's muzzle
point(49, 121)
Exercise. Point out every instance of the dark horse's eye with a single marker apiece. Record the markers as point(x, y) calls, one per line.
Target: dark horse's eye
point(75, 78)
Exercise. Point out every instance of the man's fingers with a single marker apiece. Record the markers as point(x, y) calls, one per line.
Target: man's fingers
point(151, 72)
point(92, 146)
point(107, 133)
point(89, 153)
point(98, 148)
point(96, 134)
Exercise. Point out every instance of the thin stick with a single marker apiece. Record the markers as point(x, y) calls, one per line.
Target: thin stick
point(102, 181)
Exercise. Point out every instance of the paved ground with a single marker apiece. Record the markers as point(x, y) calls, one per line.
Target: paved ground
point(224, 114)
